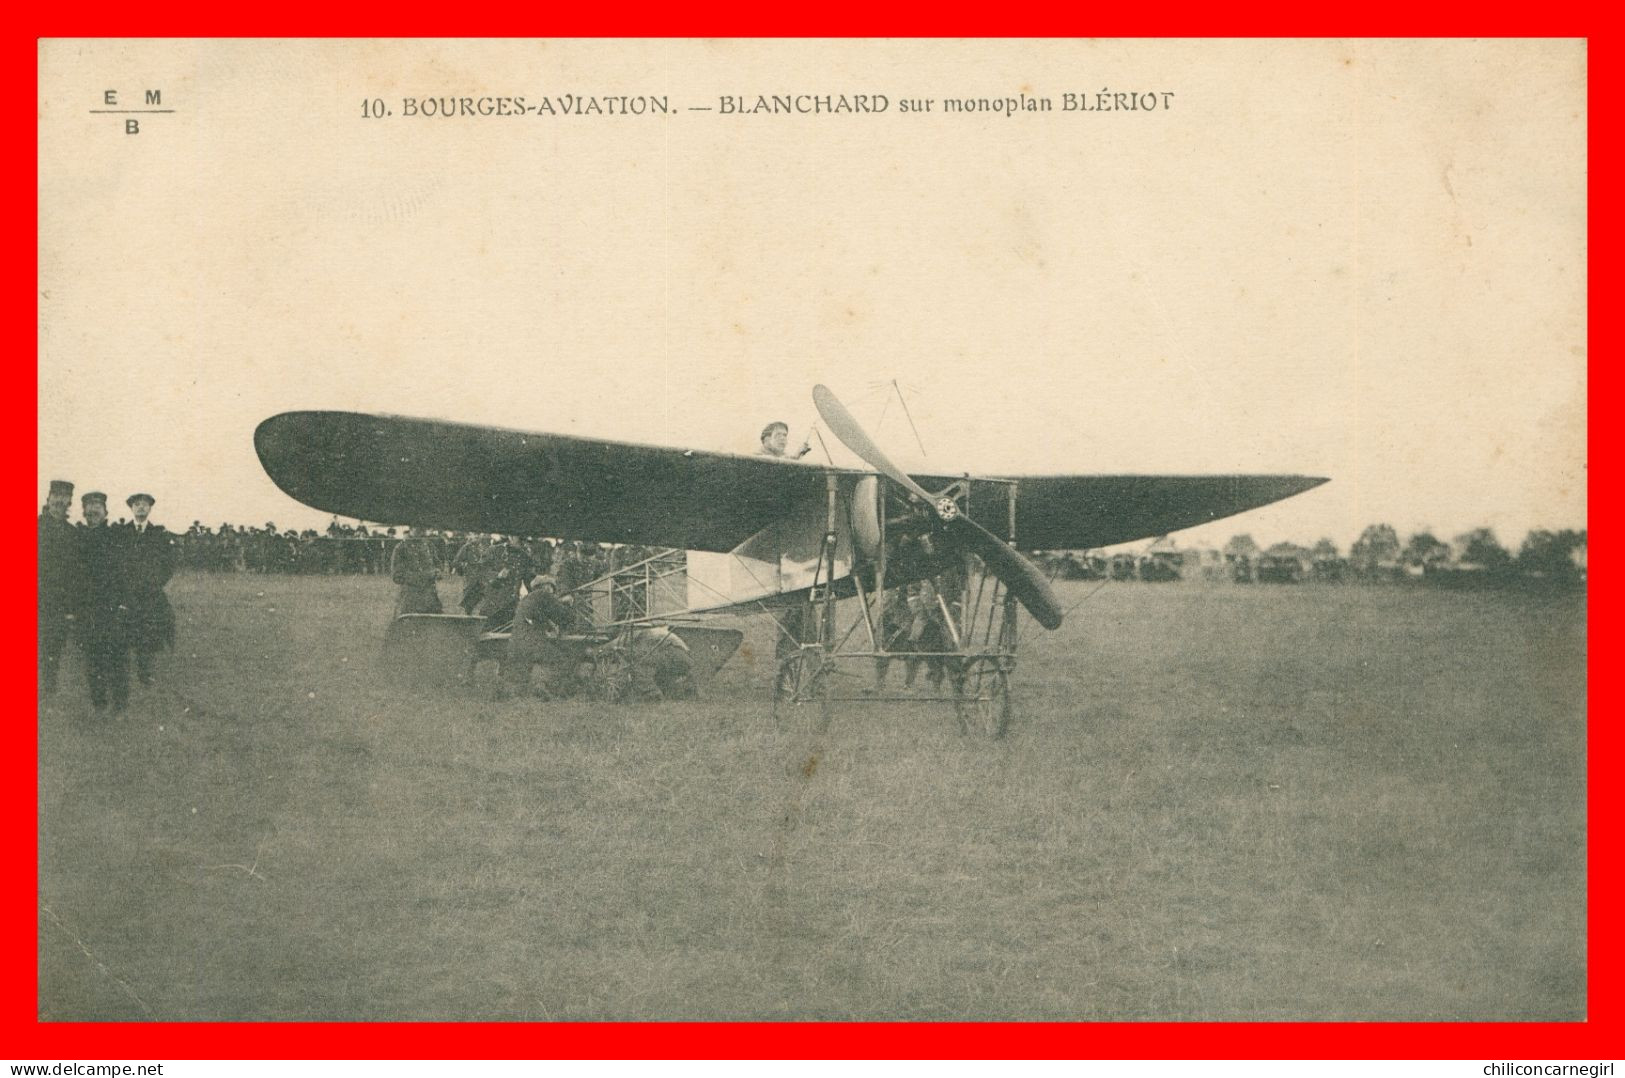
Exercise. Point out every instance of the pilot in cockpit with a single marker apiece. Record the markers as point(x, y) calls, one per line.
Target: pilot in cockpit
point(776, 436)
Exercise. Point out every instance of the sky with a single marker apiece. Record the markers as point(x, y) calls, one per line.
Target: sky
point(1361, 260)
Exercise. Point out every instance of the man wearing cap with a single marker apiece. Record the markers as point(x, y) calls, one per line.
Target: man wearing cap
point(103, 609)
point(538, 620)
point(152, 563)
point(412, 567)
point(775, 437)
point(58, 579)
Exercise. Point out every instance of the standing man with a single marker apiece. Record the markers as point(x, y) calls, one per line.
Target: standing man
point(58, 579)
point(470, 563)
point(152, 563)
point(507, 566)
point(412, 567)
point(102, 607)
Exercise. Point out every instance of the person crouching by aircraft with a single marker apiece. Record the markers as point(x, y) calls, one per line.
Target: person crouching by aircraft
point(412, 567)
point(538, 620)
point(775, 437)
point(103, 605)
point(152, 563)
point(662, 668)
point(58, 577)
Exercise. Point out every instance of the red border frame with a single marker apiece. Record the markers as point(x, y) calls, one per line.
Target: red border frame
point(23, 1037)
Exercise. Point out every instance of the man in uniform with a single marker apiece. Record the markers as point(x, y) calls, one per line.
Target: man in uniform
point(412, 567)
point(537, 622)
point(58, 578)
point(775, 437)
point(103, 610)
point(152, 563)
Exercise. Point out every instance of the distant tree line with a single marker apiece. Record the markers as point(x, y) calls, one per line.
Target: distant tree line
point(1475, 557)
point(1550, 554)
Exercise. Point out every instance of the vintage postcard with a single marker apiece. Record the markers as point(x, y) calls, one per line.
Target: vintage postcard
point(812, 530)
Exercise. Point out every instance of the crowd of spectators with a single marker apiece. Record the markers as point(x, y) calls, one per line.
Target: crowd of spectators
point(357, 548)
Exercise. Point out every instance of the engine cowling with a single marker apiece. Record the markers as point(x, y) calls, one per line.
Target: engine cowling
point(865, 513)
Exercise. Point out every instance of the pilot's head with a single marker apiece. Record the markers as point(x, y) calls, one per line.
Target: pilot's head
point(140, 506)
point(775, 436)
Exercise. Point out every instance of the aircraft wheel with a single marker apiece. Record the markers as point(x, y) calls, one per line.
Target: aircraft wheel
point(802, 688)
point(611, 675)
point(982, 698)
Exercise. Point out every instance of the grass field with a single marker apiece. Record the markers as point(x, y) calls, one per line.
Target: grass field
point(1214, 803)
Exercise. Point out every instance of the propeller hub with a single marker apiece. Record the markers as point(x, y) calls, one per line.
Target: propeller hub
point(947, 508)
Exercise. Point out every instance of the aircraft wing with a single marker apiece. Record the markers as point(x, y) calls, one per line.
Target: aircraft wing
point(396, 470)
point(1076, 512)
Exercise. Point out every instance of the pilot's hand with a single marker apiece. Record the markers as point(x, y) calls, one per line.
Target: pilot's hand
point(70, 617)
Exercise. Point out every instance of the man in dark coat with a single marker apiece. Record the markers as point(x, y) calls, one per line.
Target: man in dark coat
point(58, 580)
point(573, 568)
point(412, 567)
point(103, 609)
point(538, 620)
point(470, 563)
point(507, 566)
point(152, 563)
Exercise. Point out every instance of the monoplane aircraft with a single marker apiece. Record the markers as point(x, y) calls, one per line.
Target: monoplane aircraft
point(762, 534)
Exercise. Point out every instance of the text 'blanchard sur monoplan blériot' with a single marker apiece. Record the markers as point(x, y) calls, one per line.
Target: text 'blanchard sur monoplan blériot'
point(1022, 103)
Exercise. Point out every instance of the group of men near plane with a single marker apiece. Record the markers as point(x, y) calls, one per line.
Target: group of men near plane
point(503, 584)
point(102, 585)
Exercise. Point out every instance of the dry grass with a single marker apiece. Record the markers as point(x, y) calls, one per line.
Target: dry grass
point(1214, 803)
